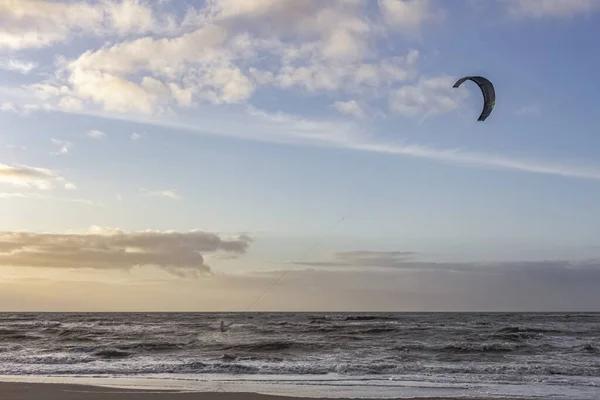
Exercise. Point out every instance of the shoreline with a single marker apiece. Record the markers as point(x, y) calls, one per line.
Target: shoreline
point(61, 391)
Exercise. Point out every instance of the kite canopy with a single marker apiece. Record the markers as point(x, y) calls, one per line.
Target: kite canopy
point(487, 89)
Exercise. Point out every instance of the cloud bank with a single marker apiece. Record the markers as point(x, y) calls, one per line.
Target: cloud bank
point(176, 252)
point(408, 261)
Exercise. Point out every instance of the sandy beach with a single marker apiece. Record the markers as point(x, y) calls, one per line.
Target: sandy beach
point(46, 391)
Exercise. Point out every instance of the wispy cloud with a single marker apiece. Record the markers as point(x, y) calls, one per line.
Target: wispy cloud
point(32, 177)
point(484, 160)
point(40, 196)
point(258, 125)
point(63, 146)
point(169, 193)
point(11, 64)
point(95, 134)
point(429, 96)
point(407, 260)
point(15, 147)
point(135, 136)
point(351, 107)
point(365, 259)
point(6, 106)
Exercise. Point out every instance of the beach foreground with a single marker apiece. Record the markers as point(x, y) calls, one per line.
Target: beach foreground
point(47, 391)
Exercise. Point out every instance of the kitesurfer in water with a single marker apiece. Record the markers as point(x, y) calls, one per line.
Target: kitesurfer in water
point(225, 326)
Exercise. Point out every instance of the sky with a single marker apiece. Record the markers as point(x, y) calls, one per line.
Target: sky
point(186, 155)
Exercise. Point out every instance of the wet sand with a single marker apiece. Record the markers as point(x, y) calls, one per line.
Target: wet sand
point(50, 391)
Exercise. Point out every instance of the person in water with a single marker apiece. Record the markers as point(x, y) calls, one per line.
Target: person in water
point(225, 326)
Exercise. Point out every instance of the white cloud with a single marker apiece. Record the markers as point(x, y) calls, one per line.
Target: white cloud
point(206, 70)
point(169, 193)
point(312, 47)
point(31, 177)
point(103, 248)
point(38, 23)
point(336, 27)
point(114, 92)
point(63, 146)
point(182, 96)
point(135, 136)
point(316, 75)
point(351, 107)
point(408, 15)
point(40, 196)
point(166, 56)
point(23, 67)
point(130, 16)
point(428, 96)
point(7, 106)
point(69, 103)
point(96, 134)
point(45, 91)
point(551, 8)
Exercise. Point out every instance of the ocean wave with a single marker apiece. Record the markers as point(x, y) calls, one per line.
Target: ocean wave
point(8, 332)
point(409, 347)
point(481, 348)
point(51, 359)
point(510, 372)
point(153, 346)
point(503, 346)
point(517, 336)
point(368, 318)
point(271, 346)
point(78, 339)
point(21, 337)
point(112, 353)
point(591, 348)
point(527, 330)
point(266, 358)
point(382, 329)
point(201, 367)
point(460, 348)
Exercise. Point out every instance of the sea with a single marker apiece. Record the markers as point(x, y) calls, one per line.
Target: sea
point(343, 355)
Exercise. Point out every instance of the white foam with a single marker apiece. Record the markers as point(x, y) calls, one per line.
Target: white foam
point(331, 386)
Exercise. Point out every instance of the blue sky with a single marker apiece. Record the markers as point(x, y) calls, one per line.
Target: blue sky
point(266, 122)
